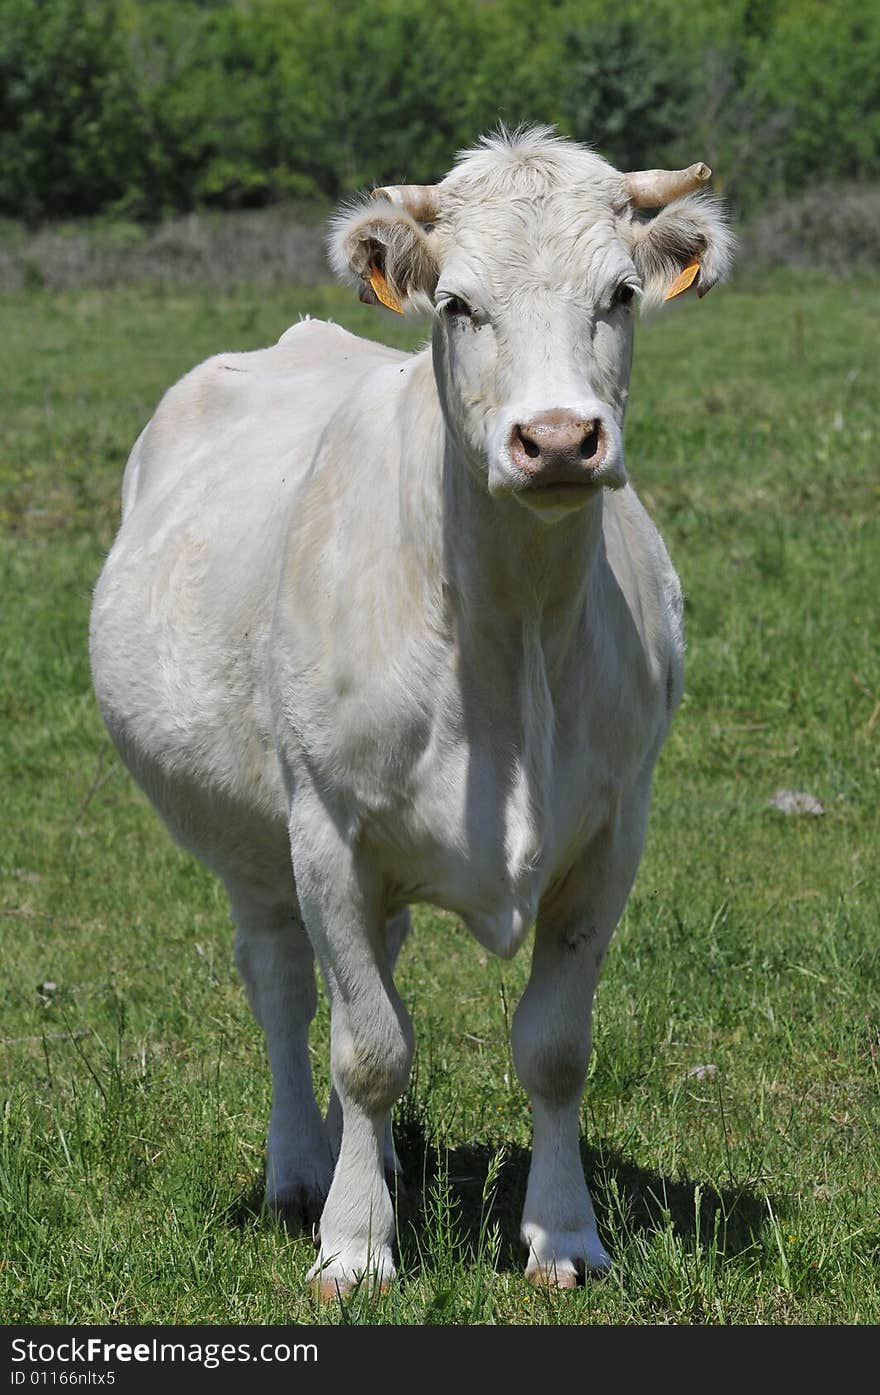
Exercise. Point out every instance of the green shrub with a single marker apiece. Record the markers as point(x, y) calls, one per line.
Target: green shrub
point(150, 107)
point(71, 132)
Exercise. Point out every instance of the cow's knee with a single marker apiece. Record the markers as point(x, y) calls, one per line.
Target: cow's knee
point(550, 1054)
point(371, 1055)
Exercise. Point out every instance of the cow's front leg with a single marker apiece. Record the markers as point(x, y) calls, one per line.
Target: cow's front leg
point(396, 931)
point(551, 1037)
point(371, 1046)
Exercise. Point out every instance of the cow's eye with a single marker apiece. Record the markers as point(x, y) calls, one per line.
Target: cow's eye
point(456, 307)
point(624, 294)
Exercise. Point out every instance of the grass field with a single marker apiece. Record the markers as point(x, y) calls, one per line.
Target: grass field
point(731, 1117)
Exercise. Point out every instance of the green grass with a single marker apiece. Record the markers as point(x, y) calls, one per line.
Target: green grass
point(135, 1093)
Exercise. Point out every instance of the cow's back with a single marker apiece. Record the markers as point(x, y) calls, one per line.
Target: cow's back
point(236, 418)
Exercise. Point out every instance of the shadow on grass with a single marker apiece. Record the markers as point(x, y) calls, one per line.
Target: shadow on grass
point(647, 1201)
point(248, 1207)
point(448, 1187)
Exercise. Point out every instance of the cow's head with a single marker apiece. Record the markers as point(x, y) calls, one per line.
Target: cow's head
point(533, 255)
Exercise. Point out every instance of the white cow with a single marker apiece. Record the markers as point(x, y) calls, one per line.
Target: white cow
point(381, 628)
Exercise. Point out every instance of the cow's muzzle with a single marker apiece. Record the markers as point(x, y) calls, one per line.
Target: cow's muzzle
point(558, 450)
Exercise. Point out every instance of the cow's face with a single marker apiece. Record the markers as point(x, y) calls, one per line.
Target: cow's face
point(533, 345)
point(533, 263)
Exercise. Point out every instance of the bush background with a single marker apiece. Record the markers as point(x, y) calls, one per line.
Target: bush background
point(145, 108)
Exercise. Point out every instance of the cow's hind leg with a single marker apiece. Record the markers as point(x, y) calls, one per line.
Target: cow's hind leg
point(276, 962)
point(551, 1038)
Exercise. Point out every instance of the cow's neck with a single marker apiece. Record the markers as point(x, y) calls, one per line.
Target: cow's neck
point(509, 580)
point(512, 576)
point(519, 600)
point(523, 595)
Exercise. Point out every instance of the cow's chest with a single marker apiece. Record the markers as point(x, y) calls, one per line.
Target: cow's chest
point(474, 774)
point(505, 796)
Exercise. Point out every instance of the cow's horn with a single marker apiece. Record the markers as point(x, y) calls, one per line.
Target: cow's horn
point(653, 188)
point(419, 200)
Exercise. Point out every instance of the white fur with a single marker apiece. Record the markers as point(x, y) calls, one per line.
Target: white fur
point(352, 672)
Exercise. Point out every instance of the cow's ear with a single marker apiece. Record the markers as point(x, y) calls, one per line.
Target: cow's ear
point(691, 230)
point(386, 253)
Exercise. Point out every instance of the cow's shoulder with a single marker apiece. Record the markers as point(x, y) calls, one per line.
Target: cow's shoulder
point(308, 351)
point(307, 338)
point(253, 405)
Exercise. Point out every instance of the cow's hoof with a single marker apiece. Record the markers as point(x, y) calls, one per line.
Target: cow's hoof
point(566, 1261)
point(560, 1275)
point(330, 1290)
point(336, 1278)
point(564, 1273)
point(297, 1208)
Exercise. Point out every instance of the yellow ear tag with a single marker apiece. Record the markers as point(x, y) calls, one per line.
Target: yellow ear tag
point(683, 280)
point(383, 291)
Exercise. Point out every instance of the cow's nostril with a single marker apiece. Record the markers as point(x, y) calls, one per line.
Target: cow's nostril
point(532, 449)
point(590, 444)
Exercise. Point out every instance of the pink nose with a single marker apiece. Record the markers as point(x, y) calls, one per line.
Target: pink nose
point(557, 448)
